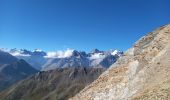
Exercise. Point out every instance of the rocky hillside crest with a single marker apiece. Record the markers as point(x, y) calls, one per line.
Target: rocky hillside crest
point(142, 73)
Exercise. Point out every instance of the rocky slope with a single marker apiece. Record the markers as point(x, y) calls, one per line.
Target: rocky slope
point(143, 73)
point(59, 84)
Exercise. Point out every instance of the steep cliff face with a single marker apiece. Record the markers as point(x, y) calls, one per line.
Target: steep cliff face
point(142, 73)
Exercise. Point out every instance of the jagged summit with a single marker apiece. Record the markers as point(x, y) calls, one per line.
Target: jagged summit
point(82, 59)
point(143, 73)
point(96, 51)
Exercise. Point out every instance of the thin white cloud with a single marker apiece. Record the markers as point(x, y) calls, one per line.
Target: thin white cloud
point(19, 54)
point(51, 55)
point(60, 54)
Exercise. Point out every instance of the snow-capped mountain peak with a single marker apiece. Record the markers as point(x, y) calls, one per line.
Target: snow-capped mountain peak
point(19, 52)
point(66, 58)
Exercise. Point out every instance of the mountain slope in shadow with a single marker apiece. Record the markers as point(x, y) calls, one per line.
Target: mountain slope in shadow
point(59, 84)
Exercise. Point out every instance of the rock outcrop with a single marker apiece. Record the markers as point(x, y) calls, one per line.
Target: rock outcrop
point(143, 73)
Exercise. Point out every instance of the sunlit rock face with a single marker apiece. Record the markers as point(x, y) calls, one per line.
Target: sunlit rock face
point(142, 73)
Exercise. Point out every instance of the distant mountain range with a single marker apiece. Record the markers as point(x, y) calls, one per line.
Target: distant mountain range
point(69, 58)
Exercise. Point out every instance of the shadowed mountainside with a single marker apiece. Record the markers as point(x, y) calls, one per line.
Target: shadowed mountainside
point(13, 70)
point(59, 84)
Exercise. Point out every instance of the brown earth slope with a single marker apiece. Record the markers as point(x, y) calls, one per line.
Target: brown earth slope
point(143, 73)
point(59, 84)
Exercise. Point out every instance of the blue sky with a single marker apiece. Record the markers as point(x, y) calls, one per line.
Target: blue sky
point(79, 24)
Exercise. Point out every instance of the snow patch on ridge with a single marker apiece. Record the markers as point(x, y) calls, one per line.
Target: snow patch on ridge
point(114, 52)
